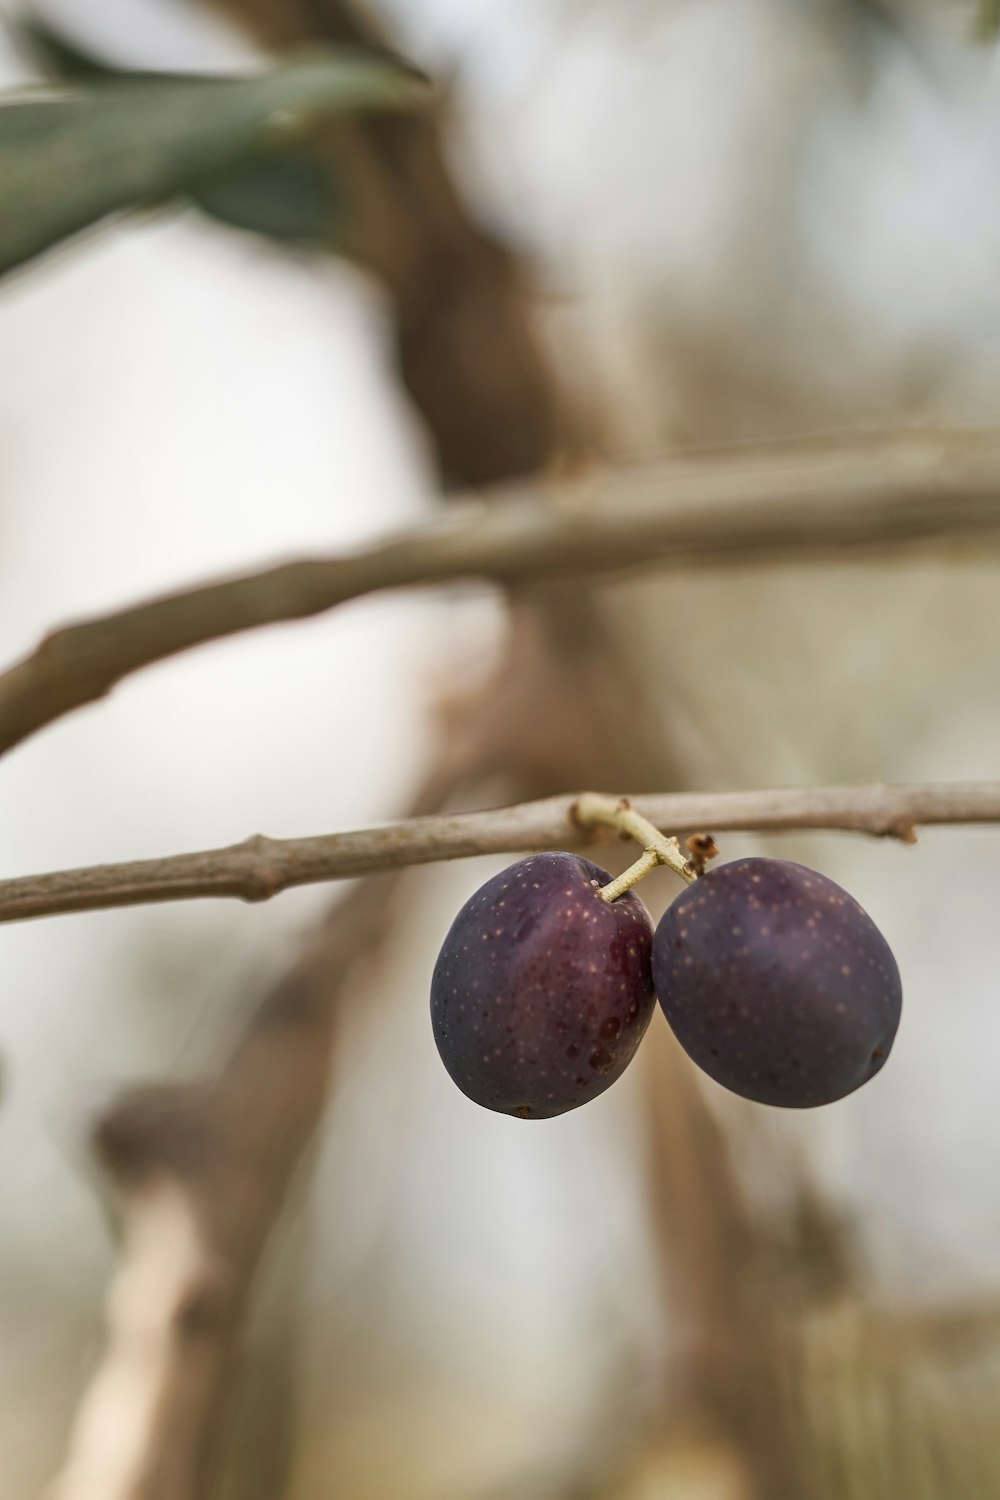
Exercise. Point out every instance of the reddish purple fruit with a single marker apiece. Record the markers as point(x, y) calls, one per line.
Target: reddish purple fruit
point(542, 990)
point(777, 983)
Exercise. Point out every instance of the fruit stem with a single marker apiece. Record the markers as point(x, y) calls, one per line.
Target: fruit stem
point(647, 861)
point(595, 810)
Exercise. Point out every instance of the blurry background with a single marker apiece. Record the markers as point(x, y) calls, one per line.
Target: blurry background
point(633, 226)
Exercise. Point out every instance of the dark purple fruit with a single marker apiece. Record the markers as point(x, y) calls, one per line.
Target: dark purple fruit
point(777, 983)
point(542, 990)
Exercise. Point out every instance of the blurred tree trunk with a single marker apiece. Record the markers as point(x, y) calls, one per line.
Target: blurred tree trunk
point(468, 353)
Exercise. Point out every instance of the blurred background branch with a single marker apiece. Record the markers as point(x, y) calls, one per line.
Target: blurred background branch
point(910, 490)
point(201, 1173)
point(469, 353)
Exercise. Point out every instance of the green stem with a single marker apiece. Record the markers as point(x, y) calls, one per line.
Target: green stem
point(594, 810)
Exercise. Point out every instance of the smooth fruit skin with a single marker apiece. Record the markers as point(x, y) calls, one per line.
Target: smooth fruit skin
point(777, 983)
point(542, 990)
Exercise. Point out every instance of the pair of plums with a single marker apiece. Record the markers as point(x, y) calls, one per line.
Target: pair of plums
point(774, 980)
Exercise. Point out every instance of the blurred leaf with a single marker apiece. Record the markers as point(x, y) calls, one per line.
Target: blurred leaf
point(54, 54)
point(70, 157)
point(288, 197)
point(988, 19)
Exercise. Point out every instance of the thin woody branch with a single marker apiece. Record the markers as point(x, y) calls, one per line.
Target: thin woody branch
point(261, 867)
point(756, 506)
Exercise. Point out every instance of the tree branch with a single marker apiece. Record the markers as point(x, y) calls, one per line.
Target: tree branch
point(734, 508)
point(469, 354)
point(261, 867)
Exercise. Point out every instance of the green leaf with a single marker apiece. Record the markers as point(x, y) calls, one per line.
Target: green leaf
point(57, 56)
point(288, 197)
point(71, 157)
